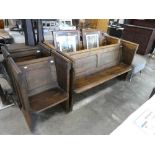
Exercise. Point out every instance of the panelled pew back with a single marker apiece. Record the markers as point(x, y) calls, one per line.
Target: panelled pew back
point(95, 66)
point(40, 83)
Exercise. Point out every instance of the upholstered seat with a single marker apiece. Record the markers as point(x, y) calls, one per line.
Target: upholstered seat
point(138, 65)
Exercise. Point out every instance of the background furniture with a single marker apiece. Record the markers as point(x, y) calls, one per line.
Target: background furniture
point(102, 24)
point(142, 22)
point(143, 36)
point(1, 24)
point(115, 31)
point(5, 38)
point(138, 64)
point(5, 87)
point(6, 91)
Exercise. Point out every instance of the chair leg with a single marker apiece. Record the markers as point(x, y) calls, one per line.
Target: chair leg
point(140, 72)
point(129, 76)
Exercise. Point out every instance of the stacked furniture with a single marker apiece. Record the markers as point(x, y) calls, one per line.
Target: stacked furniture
point(144, 36)
point(6, 91)
point(115, 31)
point(138, 65)
point(43, 76)
point(142, 22)
point(5, 38)
point(40, 78)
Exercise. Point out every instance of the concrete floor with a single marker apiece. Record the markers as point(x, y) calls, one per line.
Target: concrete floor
point(98, 111)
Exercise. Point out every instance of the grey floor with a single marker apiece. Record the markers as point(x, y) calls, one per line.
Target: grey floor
point(98, 111)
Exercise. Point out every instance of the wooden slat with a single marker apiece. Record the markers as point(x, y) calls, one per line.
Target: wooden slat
point(47, 99)
point(84, 83)
point(26, 58)
point(39, 75)
point(17, 47)
point(93, 50)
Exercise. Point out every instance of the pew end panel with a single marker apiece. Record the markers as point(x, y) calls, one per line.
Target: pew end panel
point(41, 84)
point(63, 68)
point(129, 50)
point(37, 86)
point(109, 40)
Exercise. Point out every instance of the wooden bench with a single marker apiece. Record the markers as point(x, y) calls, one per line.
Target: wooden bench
point(41, 82)
point(95, 66)
point(20, 52)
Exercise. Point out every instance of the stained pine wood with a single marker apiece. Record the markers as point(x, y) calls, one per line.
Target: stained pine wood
point(128, 51)
point(84, 83)
point(13, 48)
point(91, 61)
point(25, 58)
point(47, 99)
point(21, 51)
point(92, 67)
point(39, 75)
point(40, 82)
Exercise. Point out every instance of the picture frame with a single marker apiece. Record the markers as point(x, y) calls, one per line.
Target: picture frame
point(67, 40)
point(92, 38)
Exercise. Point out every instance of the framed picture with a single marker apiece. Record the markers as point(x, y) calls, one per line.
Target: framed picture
point(67, 41)
point(92, 38)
